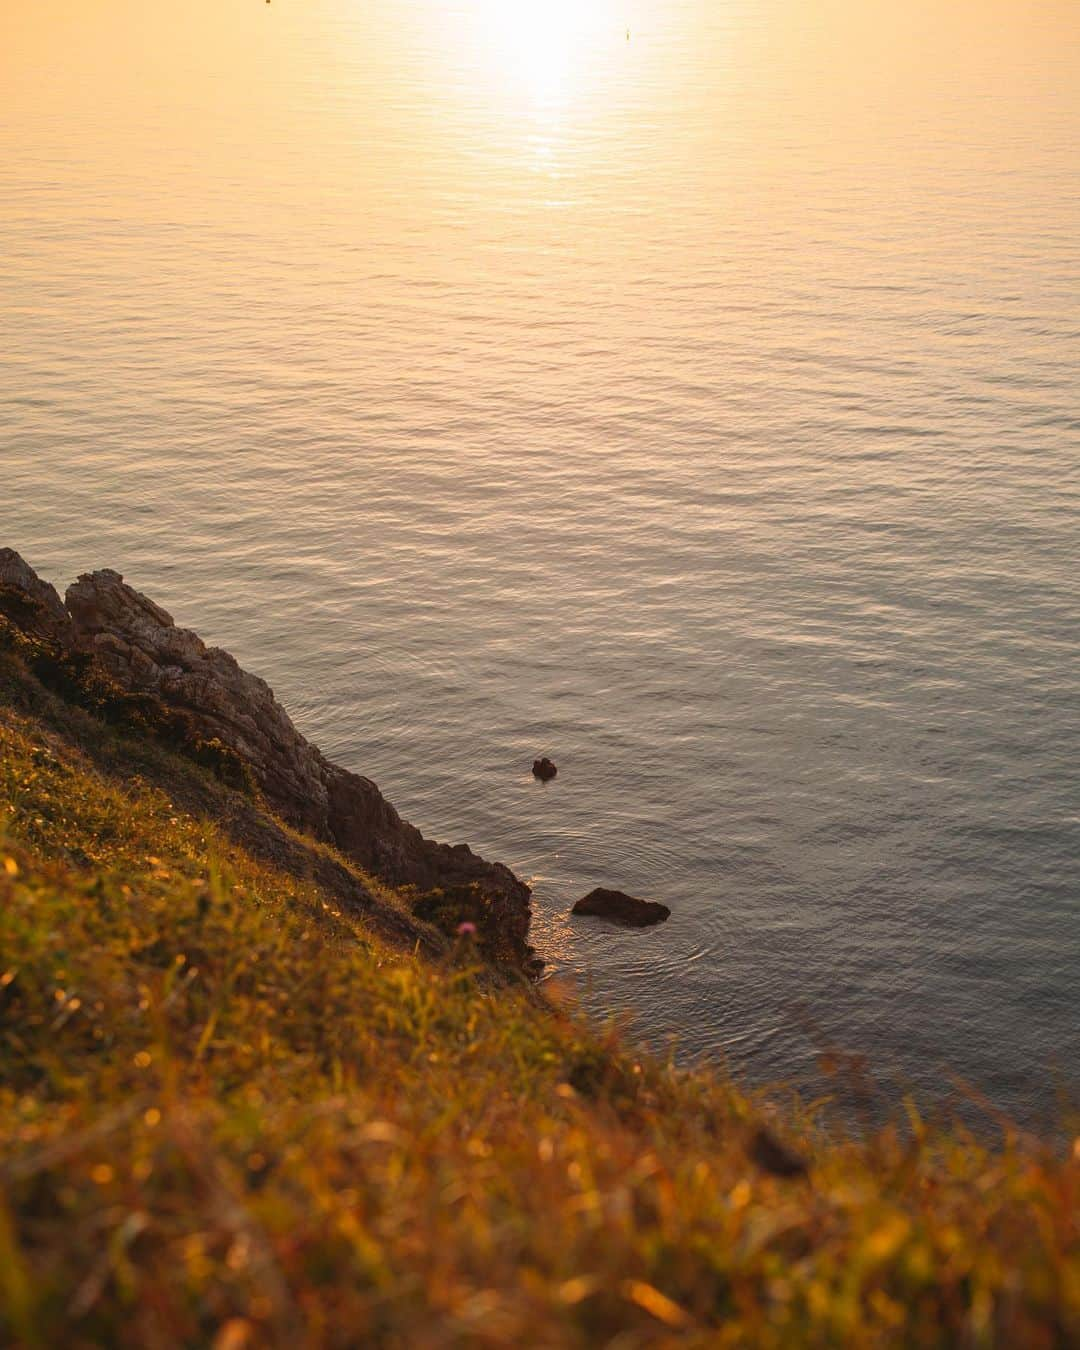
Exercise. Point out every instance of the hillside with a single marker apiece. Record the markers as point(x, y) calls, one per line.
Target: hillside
point(248, 1096)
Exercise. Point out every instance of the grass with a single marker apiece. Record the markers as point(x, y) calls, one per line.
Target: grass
point(234, 1113)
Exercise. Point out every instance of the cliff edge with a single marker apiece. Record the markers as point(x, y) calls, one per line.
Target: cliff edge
point(106, 631)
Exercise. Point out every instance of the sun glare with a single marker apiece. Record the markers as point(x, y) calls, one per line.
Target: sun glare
point(540, 46)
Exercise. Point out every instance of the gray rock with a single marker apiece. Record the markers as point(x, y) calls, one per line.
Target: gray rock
point(139, 646)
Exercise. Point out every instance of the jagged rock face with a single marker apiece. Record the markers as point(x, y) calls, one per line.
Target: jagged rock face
point(366, 827)
point(30, 603)
point(140, 647)
point(138, 644)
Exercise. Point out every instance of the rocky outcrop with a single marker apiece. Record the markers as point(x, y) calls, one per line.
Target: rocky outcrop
point(139, 647)
point(621, 908)
point(30, 603)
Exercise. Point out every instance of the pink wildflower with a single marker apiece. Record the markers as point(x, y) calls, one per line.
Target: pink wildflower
point(466, 929)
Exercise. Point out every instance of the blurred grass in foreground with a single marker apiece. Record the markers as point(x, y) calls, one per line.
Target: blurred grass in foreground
point(230, 1115)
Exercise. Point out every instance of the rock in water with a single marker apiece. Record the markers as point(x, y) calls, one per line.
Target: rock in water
point(621, 908)
point(544, 769)
point(774, 1156)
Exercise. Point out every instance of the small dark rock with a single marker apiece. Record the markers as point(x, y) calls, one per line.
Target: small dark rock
point(620, 908)
point(544, 769)
point(773, 1156)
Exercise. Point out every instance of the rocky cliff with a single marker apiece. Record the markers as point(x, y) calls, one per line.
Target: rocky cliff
point(135, 644)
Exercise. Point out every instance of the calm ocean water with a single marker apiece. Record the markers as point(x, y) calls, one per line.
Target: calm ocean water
point(685, 390)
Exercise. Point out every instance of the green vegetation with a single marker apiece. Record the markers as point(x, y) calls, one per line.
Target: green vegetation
point(232, 1113)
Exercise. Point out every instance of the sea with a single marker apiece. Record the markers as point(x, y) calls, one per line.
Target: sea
point(688, 390)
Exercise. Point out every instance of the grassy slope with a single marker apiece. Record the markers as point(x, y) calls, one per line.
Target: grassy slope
point(232, 1114)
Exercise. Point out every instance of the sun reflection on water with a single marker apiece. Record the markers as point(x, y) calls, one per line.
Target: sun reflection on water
point(541, 48)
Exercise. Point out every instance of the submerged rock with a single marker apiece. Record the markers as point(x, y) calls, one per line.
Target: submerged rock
point(544, 769)
point(620, 908)
point(138, 646)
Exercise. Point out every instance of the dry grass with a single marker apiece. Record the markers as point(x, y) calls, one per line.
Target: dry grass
point(231, 1115)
